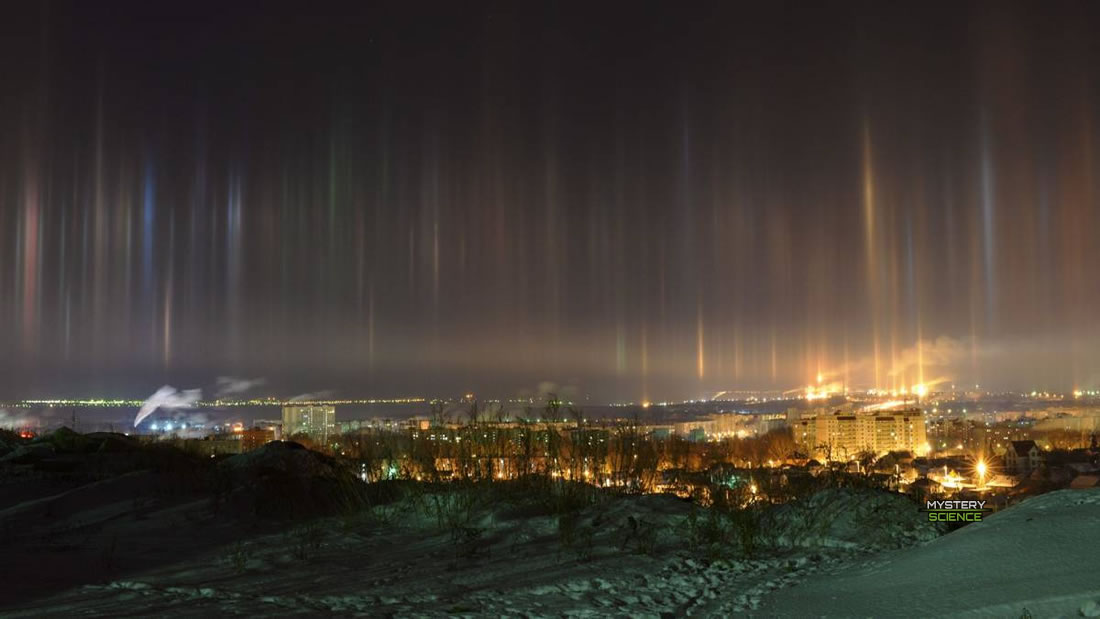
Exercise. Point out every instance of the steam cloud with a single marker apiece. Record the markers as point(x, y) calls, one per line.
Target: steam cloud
point(231, 385)
point(316, 395)
point(170, 399)
point(13, 421)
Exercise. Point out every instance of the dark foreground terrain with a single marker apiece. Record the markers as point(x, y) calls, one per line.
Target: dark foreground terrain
point(99, 525)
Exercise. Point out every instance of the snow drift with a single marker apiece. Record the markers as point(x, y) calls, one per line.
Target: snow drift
point(1037, 557)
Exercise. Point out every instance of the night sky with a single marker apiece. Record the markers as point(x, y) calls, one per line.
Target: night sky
point(628, 200)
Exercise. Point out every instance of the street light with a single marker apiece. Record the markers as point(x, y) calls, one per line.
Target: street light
point(981, 472)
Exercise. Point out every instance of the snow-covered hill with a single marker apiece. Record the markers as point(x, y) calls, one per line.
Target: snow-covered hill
point(1038, 557)
point(147, 544)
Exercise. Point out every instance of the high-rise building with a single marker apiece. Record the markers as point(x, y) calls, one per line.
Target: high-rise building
point(843, 436)
point(317, 422)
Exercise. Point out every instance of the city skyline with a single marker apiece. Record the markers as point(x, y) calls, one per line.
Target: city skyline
point(382, 200)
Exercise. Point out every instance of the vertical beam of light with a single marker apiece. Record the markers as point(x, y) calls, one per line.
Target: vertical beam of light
point(67, 328)
point(31, 257)
point(63, 292)
point(736, 355)
point(330, 218)
point(847, 364)
point(1088, 199)
point(868, 184)
point(166, 325)
point(975, 294)
point(433, 191)
point(620, 348)
point(619, 258)
point(1043, 249)
point(699, 360)
point(125, 226)
point(811, 370)
point(435, 264)
point(662, 283)
point(85, 263)
point(920, 353)
point(1076, 263)
point(234, 260)
point(99, 219)
point(360, 276)
point(894, 312)
point(775, 357)
point(196, 259)
point(551, 221)
point(911, 301)
point(645, 365)
point(370, 327)
point(148, 207)
point(988, 204)
point(285, 225)
point(949, 230)
point(166, 321)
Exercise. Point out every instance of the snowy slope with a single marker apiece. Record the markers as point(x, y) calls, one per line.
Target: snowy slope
point(408, 568)
point(1040, 555)
point(838, 556)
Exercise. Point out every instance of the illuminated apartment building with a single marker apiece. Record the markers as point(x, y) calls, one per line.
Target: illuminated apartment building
point(317, 422)
point(845, 435)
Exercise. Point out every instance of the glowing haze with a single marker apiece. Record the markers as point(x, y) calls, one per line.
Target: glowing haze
point(643, 202)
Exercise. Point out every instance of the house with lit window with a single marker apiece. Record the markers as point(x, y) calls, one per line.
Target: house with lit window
point(1023, 457)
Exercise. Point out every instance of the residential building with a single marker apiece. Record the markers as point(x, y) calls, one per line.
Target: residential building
point(315, 421)
point(256, 438)
point(845, 435)
point(275, 426)
point(1023, 457)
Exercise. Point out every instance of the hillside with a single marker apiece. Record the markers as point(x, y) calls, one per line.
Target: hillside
point(1037, 556)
